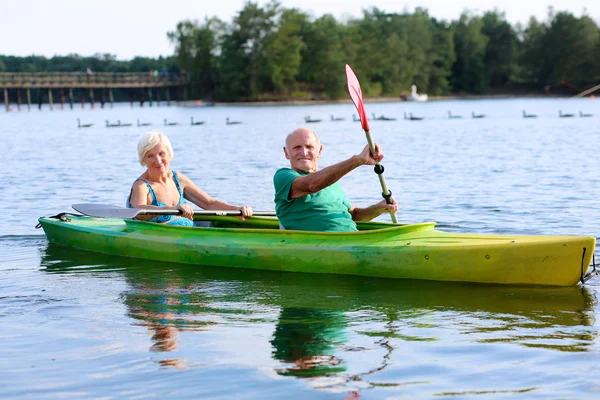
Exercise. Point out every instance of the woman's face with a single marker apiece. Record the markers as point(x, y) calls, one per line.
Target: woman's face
point(157, 158)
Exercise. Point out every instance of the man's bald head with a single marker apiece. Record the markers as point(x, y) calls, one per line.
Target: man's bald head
point(303, 149)
point(300, 132)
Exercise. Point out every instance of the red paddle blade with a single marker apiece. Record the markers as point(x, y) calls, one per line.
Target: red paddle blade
point(356, 95)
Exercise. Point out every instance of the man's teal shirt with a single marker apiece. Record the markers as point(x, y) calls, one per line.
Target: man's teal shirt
point(325, 211)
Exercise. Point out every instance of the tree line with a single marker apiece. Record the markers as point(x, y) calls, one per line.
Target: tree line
point(277, 52)
point(271, 52)
point(76, 63)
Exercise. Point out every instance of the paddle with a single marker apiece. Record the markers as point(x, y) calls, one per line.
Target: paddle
point(356, 95)
point(109, 211)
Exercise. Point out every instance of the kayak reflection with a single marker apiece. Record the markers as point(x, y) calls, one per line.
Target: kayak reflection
point(322, 322)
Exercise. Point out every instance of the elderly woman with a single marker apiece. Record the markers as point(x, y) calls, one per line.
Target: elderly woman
point(159, 187)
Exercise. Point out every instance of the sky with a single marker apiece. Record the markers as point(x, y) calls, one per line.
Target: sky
point(129, 28)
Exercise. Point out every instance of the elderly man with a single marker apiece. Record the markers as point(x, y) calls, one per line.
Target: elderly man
point(310, 199)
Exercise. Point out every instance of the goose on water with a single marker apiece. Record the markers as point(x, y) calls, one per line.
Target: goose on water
point(473, 115)
point(309, 120)
point(109, 125)
point(80, 125)
point(120, 124)
point(336, 119)
point(453, 116)
point(171, 123)
point(197, 122)
point(410, 117)
point(561, 115)
point(354, 118)
point(229, 122)
point(143, 123)
point(525, 115)
point(584, 115)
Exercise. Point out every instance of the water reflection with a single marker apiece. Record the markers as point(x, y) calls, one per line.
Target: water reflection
point(307, 339)
point(335, 326)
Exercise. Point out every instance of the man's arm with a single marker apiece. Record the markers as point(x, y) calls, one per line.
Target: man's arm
point(374, 211)
point(312, 183)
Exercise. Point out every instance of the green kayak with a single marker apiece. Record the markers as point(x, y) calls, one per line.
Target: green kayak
point(416, 251)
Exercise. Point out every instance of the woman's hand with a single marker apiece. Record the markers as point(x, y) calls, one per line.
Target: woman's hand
point(186, 210)
point(246, 212)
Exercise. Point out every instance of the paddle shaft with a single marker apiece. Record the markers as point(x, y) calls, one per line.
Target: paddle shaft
point(356, 95)
point(110, 211)
point(384, 188)
point(235, 213)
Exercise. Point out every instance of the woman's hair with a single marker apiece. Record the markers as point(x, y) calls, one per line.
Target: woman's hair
point(148, 141)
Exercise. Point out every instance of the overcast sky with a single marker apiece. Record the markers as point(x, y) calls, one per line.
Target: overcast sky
point(128, 28)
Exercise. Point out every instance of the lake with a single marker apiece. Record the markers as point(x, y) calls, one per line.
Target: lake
point(82, 325)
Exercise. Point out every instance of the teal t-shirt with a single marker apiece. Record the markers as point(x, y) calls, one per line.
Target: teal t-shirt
point(324, 211)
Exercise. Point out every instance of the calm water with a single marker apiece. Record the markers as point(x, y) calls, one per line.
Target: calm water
point(82, 325)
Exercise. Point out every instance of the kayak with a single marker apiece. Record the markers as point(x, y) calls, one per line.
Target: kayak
point(383, 250)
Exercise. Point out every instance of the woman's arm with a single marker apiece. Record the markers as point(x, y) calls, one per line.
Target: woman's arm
point(203, 200)
point(140, 199)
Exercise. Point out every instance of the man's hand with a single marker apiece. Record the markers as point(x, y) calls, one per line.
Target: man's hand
point(368, 158)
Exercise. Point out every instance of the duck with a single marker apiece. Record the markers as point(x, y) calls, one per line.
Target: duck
point(109, 125)
point(197, 122)
point(80, 125)
point(525, 115)
point(355, 119)
point(473, 115)
point(561, 115)
point(309, 120)
point(410, 117)
point(120, 124)
point(170, 123)
point(453, 116)
point(336, 119)
point(143, 123)
point(229, 122)
point(584, 115)
point(384, 118)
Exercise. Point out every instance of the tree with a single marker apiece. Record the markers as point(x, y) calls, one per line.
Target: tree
point(323, 57)
point(243, 56)
point(532, 54)
point(468, 73)
point(283, 52)
point(501, 52)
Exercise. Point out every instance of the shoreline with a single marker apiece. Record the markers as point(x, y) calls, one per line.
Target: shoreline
point(200, 103)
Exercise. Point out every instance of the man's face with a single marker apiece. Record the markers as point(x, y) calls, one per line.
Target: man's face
point(303, 149)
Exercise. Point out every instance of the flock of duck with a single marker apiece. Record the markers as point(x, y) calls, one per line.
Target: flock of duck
point(309, 120)
point(411, 117)
point(119, 124)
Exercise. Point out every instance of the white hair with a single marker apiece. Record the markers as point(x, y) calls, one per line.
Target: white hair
point(148, 141)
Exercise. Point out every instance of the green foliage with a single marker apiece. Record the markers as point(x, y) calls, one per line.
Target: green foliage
point(469, 73)
point(501, 52)
point(272, 52)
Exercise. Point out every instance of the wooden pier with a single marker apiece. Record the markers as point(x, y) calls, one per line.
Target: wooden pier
point(142, 86)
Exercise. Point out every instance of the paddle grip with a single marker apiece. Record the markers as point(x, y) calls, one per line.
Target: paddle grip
point(379, 169)
point(387, 197)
